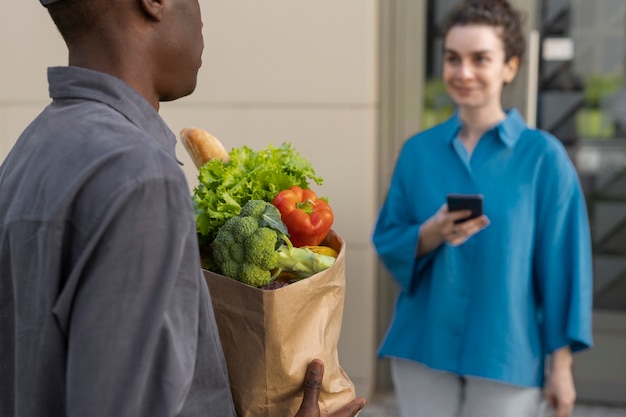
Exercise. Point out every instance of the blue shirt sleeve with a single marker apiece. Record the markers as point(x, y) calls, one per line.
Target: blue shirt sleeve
point(396, 232)
point(563, 266)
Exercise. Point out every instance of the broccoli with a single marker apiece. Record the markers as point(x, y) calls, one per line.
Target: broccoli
point(253, 247)
point(245, 246)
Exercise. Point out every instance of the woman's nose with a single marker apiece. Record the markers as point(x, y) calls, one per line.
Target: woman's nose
point(465, 70)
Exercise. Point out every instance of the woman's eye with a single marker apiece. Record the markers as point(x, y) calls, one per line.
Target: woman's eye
point(452, 59)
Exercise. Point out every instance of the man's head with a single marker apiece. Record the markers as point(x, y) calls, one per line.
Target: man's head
point(75, 18)
point(153, 45)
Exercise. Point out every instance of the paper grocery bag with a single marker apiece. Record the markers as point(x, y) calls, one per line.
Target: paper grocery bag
point(270, 336)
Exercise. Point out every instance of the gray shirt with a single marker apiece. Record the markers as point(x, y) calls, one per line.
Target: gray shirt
point(103, 307)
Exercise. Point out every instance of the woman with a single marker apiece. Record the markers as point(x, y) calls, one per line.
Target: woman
point(484, 303)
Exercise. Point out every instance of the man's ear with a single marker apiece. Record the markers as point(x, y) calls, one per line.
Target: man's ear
point(152, 8)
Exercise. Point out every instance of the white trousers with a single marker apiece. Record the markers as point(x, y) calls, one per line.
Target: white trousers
point(424, 392)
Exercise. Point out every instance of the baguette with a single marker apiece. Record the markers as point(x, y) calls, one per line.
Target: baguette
point(202, 146)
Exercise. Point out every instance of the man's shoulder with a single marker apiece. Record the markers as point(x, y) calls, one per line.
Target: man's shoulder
point(104, 140)
point(84, 162)
point(125, 155)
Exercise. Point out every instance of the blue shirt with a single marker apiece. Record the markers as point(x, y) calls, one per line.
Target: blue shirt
point(494, 306)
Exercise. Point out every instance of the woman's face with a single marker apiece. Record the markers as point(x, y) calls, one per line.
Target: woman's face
point(474, 70)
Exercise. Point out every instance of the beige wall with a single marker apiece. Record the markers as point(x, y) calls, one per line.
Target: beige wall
point(274, 71)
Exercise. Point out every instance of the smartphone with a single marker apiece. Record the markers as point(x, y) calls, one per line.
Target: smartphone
point(473, 202)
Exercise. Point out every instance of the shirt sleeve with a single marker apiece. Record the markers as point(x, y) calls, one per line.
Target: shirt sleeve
point(133, 335)
point(396, 232)
point(563, 266)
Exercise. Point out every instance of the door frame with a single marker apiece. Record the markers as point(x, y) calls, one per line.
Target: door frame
point(402, 75)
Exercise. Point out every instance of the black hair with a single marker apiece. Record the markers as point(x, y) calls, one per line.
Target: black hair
point(74, 18)
point(496, 13)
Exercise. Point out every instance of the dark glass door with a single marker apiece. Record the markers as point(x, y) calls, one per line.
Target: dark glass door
point(582, 101)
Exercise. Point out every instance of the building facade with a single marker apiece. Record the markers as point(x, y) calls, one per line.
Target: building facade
point(347, 82)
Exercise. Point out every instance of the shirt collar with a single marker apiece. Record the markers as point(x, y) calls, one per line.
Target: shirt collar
point(81, 83)
point(508, 130)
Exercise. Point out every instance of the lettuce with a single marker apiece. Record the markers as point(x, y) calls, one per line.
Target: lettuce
point(224, 187)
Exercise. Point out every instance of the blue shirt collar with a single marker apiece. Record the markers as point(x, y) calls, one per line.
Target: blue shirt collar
point(508, 130)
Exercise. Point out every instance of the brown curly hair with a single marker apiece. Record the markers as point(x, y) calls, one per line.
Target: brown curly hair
point(496, 13)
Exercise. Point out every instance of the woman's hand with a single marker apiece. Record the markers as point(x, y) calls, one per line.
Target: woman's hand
point(310, 402)
point(458, 233)
point(441, 227)
point(559, 389)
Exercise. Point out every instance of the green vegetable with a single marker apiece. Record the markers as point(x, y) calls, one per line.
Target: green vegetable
point(224, 187)
point(302, 261)
point(253, 248)
point(245, 246)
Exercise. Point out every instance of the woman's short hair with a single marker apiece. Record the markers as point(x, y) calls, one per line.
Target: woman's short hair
point(497, 13)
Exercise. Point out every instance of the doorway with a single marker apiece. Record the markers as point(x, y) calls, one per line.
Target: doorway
point(573, 86)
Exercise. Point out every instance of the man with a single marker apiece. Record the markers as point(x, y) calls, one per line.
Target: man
point(103, 307)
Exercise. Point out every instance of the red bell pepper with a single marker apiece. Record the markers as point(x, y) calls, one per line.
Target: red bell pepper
point(308, 219)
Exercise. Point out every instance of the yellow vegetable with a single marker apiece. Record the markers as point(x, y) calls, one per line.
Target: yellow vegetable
point(322, 250)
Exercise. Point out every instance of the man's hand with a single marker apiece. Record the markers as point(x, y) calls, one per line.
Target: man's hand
point(559, 389)
point(310, 403)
